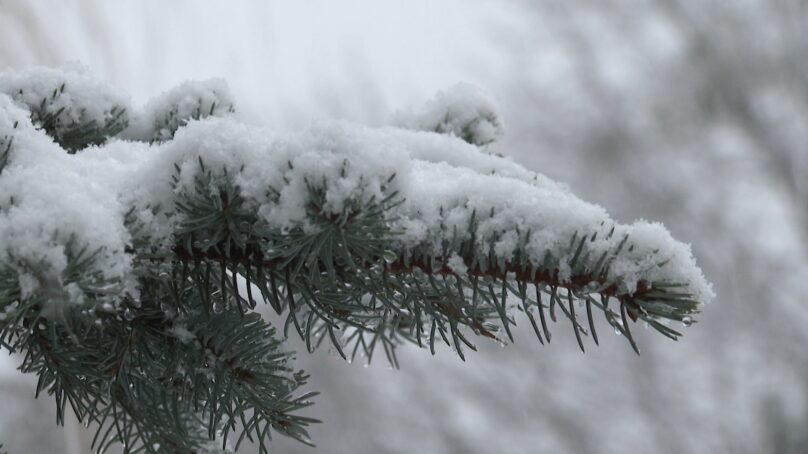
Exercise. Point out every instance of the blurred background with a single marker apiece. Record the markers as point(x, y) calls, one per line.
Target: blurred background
point(693, 113)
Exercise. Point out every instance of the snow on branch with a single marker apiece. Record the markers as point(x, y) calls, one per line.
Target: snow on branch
point(460, 210)
point(72, 105)
point(129, 271)
point(54, 211)
point(516, 212)
point(462, 110)
point(191, 100)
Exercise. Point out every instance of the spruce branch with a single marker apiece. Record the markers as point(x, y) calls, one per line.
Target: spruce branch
point(151, 333)
point(111, 366)
point(5, 149)
point(338, 275)
point(192, 100)
point(71, 127)
point(168, 122)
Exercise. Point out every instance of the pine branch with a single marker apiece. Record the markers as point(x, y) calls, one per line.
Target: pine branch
point(76, 134)
point(72, 108)
point(150, 332)
point(5, 150)
point(192, 100)
point(226, 368)
point(340, 277)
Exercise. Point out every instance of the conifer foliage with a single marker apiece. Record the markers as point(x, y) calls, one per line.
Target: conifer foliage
point(135, 247)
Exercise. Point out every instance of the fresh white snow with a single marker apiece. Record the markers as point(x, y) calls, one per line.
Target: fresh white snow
point(71, 93)
point(49, 198)
point(462, 110)
point(162, 115)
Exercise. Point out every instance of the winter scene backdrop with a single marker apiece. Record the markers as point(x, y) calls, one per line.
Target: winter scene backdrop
point(691, 113)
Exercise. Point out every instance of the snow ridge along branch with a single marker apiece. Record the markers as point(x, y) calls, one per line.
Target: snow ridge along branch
point(135, 246)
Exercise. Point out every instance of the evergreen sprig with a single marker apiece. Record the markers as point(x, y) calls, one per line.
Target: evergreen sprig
point(6, 143)
point(186, 359)
point(167, 123)
point(70, 126)
point(163, 370)
point(337, 277)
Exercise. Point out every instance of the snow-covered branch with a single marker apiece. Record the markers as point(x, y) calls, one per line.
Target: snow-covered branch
point(365, 236)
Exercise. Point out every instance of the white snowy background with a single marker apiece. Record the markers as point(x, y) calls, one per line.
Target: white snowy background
point(693, 113)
